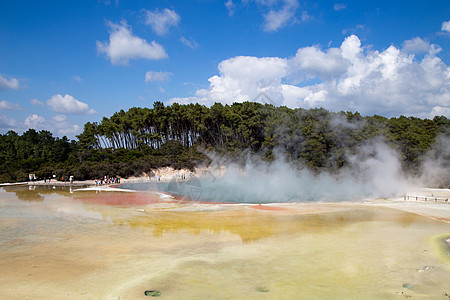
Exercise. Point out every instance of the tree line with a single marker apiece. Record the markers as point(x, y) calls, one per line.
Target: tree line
point(142, 139)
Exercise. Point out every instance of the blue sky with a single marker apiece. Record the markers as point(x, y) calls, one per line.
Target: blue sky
point(64, 63)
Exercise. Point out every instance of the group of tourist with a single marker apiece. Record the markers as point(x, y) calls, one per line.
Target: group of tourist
point(107, 180)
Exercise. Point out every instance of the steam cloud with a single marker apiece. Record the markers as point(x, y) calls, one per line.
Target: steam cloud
point(435, 169)
point(374, 172)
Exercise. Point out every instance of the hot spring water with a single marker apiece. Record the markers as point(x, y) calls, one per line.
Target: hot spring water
point(244, 189)
point(115, 245)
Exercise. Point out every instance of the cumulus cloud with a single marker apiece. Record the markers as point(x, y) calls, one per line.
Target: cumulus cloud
point(58, 124)
point(123, 46)
point(5, 105)
point(162, 21)
point(446, 26)
point(352, 77)
point(243, 78)
point(152, 76)
point(35, 121)
point(7, 84)
point(312, 62)
point(69, 105)
point(416, 45)
point(440, 111)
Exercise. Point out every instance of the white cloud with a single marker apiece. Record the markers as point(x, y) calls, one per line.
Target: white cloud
point(278, 18)
point(5, 105)
point(108, 2)
point(123, 46)
point(162, 21)
point(69, 105)
point(339, 6)
point(77, 78)
point(189, 43)
point(305, 16)
point(416, 45)
point(243, 78)
point(58, 124)
point(71, 130)
point(35, 121)
point(7, 123)
point(152, 76)
point(439, 111)
point(6, 84)
point(36, 102)
point(312, 61)
point(277, 14)
point(188, 100)
point(446, 26)
point(60, 118)
point(354, 30)
point(63, 127)
point(230, 7)
point(388, 82)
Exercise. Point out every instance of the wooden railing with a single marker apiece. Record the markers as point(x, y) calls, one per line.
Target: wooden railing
point(426, 198)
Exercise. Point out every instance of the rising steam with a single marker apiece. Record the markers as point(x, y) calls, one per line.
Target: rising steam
point(375, 171)
point(435, 169)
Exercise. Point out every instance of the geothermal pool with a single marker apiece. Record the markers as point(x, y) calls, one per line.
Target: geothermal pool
point(66, 244)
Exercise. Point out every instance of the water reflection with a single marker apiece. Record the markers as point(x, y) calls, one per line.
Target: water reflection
point(248, 224)
point(26, 193)
point(36, 192)
point(164, 216)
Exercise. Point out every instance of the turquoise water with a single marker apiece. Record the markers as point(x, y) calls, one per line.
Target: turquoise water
point(226, 190)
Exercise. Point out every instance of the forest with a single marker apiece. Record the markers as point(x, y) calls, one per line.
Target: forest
point(137, 141)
